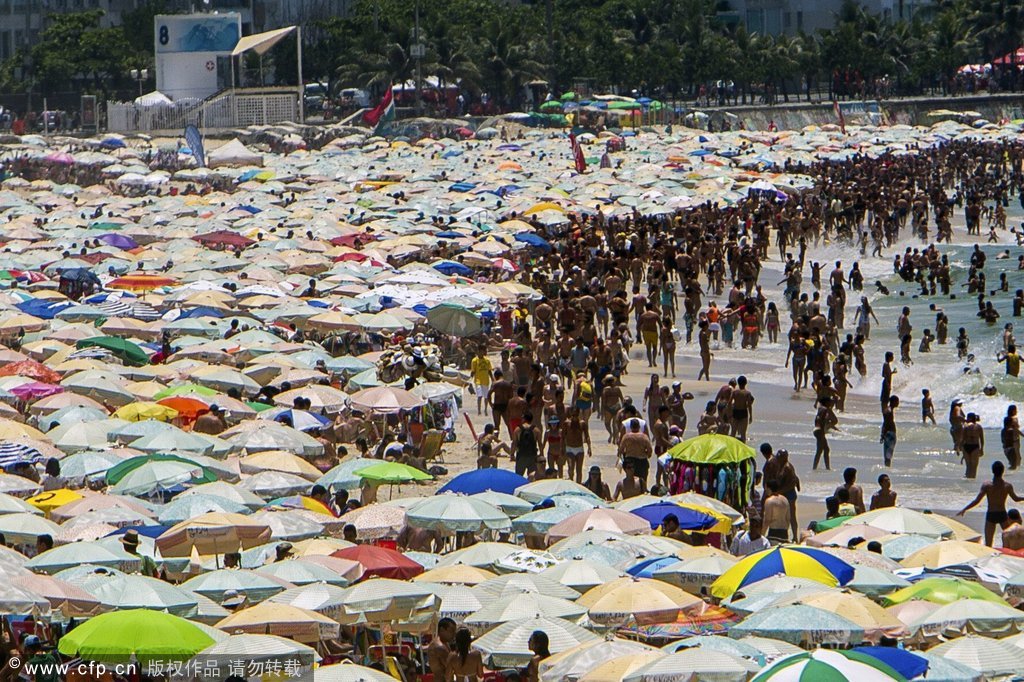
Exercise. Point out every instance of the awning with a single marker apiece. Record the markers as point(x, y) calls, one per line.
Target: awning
point(260, 43)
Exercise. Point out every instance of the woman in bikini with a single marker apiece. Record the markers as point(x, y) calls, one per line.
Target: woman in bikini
point(464, 664)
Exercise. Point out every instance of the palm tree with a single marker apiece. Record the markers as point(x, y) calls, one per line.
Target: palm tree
point(450, 54)
point(999, 25)
point(506, 62)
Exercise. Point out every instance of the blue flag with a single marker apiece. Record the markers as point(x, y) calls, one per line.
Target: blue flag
point(195, 142)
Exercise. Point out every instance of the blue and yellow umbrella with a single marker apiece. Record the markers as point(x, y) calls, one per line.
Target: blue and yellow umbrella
point(793, 560)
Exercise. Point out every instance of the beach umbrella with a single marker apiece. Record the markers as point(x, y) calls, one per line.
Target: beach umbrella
point(324, 598)
point(454, 320)
point(510, 504)
point(968, 616)
point(481, 554)
point(380, 561)
point(792, 560)
point(841, 535)
point(907, 664)
point(376, 520)
point(454, 513)
point(283, 620)
point(615, 669)
point(758, 649)
point(800, 625)
point(139, 592)
point(639, 600)
point(538, 491)
point(145, 410)
point(577, 661)
point(947, 553)
point(712, 449)
point(990, 657)
point(392, 472)
point(947, 670)
point(693, 574)
point(273, 484)
point(689, 519)
point(599, 519)
point(904, 521)
point(941, 590)
point(482, 480)
point(506, 646)
point(140, 633)
point(71, 600)
point(299, 572)
point(519, 606)
point(141, 282)
point(698, 664)
point(215, 584)
point(15, 505)
point(385, 400)
point(581, 575)
point(289, 525)
point(183, 508)
point(226, 491)
point(16, 600)
point(259, 649)
point(24, 528)
point(459, 574)
point(213, 533)
point(349, 672)
point(875, 582)
point(830, 666)
point(63, 557)
point(876, 621)
point(518, 583)
point(121, 348)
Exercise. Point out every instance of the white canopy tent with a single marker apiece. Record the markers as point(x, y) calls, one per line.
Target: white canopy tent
point(261, 43)
point(233, 153)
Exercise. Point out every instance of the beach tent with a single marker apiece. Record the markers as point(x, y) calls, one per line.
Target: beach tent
point(233, 153)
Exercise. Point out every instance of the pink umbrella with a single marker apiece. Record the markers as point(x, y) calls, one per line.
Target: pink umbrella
point(505, 264)
point(385, 400)
point(611, 520)
point(35, 390)
point(62, 158)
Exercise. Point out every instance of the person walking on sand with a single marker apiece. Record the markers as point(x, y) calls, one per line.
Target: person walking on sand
point(742, 401)
point(704, 341)
point(995, 492)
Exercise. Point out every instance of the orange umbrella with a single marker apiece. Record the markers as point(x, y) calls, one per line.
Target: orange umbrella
point(139, 282)
point(31, 369)
point(188, 408)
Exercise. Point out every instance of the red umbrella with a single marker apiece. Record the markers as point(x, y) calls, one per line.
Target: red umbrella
point(32, 370)
point(142, 282)
point(223, 238)
point(380, 561)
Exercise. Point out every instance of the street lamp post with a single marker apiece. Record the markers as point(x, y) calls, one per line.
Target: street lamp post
point(140, 76)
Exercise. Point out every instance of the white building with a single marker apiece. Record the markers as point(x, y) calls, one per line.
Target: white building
point(790, 17)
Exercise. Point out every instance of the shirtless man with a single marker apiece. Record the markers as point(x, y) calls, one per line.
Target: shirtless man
point(973, 444)
point(498, 398)
point(440, 647)
point(776, 513)
point(855, 491)
point(629, 486)
point(1013, 537)
point(995, 491)
point(742, 409)
point(886, 496)
point(648, 324)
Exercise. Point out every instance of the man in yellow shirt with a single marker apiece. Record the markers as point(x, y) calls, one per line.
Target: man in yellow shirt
point(481, 370)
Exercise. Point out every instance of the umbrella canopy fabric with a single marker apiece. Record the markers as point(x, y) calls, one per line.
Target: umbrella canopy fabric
point(483, 480)
point(381, 561)
point(507, 646)
point(830, 666)
point(940, 590)
point(282, 620)
point(385, 400)
point(599, 519)
point(990, 657)
point(146, 635)
point(213, 533)
point(804, 626)
point(639, 600)
point(454, 320)
point(907, 664)
point(456, 513)
point(795, 561)
point(712, 449)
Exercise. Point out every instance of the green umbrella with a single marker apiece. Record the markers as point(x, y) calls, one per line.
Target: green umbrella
point(829, 666)
point(392, 472)
point(126, 350)
point(455, 320)
point(119, 471)
point(146, 635)
point(184, 389)
point(552, 105)
point(259, 407)
point(712, 448)
point(942, 591)
point(568, 96)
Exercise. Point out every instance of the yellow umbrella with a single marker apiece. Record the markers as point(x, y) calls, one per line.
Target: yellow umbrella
point(12, 430)
point(324, 546)
point(642, 600)
point(141, 411)
point(876, 621)
point(458, 574)
point(283, 620)
point(616, 669)
point(947, 553)
point(51, 499)
point(279, 460)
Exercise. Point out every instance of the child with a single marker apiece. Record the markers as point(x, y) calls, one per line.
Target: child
point(962, 344)
point(926, 342)
point(927, 407)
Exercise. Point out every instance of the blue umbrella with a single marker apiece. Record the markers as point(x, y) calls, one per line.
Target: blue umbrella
point(448, 234)
point(534, 240)
point(450, 268)
point(902, 661)
point(689, 519)
point(647, 567)
point(201, 311)
point(43, 309)
point(119, 241)
point(482, 480)
point(154, 531)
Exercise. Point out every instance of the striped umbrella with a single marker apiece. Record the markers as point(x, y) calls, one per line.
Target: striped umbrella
point(12, 453)
point(792, 560)
point(825, 665)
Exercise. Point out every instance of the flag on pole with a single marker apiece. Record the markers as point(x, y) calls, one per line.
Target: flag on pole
point(839, 115)
point(385, 111)
point(577, 154)
point(194, 139)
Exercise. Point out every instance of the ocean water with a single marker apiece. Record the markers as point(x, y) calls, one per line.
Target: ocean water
point(926, 473)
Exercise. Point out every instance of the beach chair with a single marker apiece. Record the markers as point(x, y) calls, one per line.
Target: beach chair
point(431, 448)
